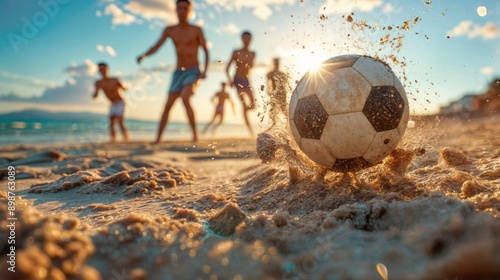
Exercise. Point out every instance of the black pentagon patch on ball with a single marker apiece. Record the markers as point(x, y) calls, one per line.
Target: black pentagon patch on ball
point(350, 165)
point(384, 108)
point(310, 117)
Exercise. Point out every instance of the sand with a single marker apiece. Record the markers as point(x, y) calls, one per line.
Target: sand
point(257, 209)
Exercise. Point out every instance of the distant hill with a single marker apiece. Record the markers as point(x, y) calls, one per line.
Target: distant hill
point(41, 115)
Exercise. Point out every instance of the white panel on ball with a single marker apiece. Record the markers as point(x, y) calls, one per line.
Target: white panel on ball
point(346, 93)
point(383, 144)
point(403, 123)
point(375, 72)
point(295, 133)
point(293, 105)
point(308, 85)
point(316, 151)
point(338, 62)
point(348, 135)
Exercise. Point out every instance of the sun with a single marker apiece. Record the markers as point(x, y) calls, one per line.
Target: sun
point(310, 60)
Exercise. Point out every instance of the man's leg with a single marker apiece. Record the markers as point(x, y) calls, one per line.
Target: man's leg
point(245, 109)
point(186, 94)
point(249, 92)
point(121, 122)
point(164, 118)
point(210, 123)
point(221, 117)
point(112, 132)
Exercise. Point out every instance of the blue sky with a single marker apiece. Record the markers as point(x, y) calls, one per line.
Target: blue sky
point(49, 48)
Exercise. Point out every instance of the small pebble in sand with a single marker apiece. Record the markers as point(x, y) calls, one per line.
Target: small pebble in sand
point(452, 156)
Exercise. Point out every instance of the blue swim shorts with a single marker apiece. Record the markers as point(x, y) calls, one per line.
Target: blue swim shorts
point(241, 82)
point(183, 77)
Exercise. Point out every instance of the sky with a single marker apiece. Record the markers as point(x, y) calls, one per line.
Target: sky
point(49, 48)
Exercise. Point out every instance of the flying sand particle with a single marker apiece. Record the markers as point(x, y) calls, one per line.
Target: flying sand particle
point(482, 11)
point(382, 270)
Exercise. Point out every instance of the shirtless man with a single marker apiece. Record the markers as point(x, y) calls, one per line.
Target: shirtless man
point(221, 97)
point(187, 39)
point(277, 88)
point(244, 59)
point(112, 89)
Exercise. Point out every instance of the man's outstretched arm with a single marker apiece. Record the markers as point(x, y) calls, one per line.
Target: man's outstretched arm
point(155, 48)
point(203, 44)
point(231, 82)
point(122, 85)
point(96, 91)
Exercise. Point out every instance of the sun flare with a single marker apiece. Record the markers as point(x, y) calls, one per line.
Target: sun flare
point(310, 60)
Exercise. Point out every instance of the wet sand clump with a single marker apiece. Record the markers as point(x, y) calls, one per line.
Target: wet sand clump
point(135, 182)
point(47, 246)
point(453, 156)
point(226, 220)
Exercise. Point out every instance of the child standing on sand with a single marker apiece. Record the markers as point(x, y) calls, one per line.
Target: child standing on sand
point(112, 89)
point(221, 97)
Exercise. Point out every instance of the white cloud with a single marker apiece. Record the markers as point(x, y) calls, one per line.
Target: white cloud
point(349, 6)
point(119, 16)
point(388, 8)
point(98, 13)
point(106, 49)
point(230, 28)
point(77, 89)
point(260, 8)
point(154, 9)
point(200, 22)
point(88, 68)
point(488, 70)
point(209, 45)
point(26, 80)
point(488, 31)
point(110, 51)
point(79, 86)
point(461, 29)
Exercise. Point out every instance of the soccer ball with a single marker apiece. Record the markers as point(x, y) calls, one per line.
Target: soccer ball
point(349, 114)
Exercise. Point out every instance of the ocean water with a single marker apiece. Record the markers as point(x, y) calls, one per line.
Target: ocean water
point(59, 131)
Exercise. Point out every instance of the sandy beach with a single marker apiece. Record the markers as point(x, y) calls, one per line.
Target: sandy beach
point(256, 209)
